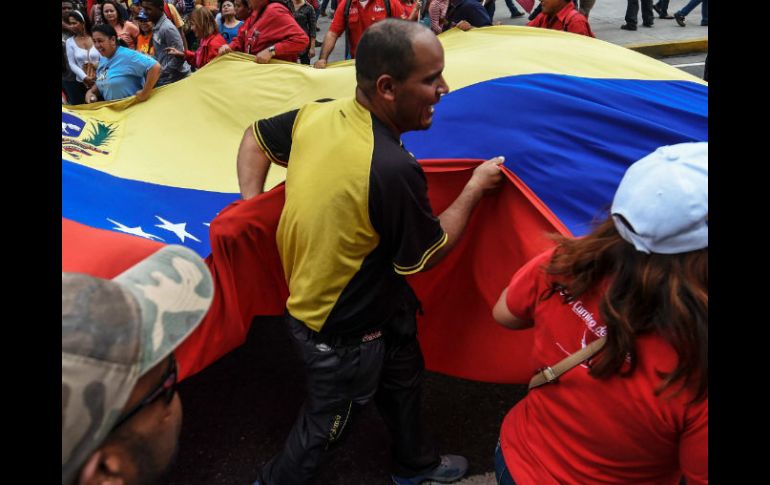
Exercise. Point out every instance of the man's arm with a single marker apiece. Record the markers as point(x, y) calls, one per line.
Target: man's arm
point(267, 140)
point(486, 177)
point(328, 46)
point(252, 165)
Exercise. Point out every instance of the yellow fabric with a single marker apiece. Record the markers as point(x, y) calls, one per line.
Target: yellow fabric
point(329, 167)
point(192, 128)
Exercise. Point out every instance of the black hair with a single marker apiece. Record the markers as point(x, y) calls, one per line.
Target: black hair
point(79, 17)
point(119, 9)
point(156, 3)
point(386, 48)
point(109, 31)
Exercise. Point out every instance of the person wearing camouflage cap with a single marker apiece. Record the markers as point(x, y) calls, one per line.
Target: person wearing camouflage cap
point(121, 417)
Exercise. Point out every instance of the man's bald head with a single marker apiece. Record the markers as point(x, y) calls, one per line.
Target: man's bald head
point(387, 48)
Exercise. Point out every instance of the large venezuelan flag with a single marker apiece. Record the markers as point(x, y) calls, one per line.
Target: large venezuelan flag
point(568, 112)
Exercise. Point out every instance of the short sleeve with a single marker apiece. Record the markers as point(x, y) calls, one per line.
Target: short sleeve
point(403, 215)
point(141, 63)
point(338, 22)
point(273, 136)
point(526, 286)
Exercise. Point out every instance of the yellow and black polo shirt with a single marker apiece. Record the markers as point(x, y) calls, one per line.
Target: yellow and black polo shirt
point(356, 216)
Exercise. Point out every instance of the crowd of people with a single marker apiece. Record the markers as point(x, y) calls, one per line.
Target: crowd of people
point(183, 36)
point(620, 386)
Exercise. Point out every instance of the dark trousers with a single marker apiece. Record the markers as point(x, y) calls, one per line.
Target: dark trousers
point(490, 8)
point(75, 91)
point(632, 12)
point(512, 7)
point(663, 6)
point(340, 380)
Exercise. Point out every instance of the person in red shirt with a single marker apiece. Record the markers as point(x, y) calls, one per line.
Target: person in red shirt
point(270, 31)
point(209, 39)
point(562, 15)
point(637, 410)
point(362, 14)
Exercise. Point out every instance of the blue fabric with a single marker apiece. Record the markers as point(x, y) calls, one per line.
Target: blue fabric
point(91, 197)
point(502, 475)
point(557, 131)
point(123, 74)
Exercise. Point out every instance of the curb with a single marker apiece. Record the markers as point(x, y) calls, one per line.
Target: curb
point(673, 48)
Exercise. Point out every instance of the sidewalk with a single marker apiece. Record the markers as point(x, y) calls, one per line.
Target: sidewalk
point(665, 38)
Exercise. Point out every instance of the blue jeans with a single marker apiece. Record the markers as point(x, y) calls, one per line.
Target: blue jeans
point(704, 9)
point(502, 475)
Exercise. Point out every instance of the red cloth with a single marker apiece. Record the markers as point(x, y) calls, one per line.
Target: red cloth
point(361, 18)
point(584, 430)
point(273, 25)
point(313, 3)
point(457, 332)
point(207, 51)
point(576, 22)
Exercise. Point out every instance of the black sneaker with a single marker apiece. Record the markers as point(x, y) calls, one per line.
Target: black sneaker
point(656, 7)
point(517, 15)
point(628, 27)
point(704, 23)
point(679, 19)
point(647, 24)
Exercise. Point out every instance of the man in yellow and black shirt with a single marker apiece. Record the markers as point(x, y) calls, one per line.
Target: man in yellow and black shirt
point(355, 220)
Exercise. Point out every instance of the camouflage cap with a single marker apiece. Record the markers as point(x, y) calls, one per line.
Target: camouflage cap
point(113, 331)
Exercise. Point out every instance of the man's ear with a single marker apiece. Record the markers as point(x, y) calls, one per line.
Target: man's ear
point(386, 87)
point(103, 467)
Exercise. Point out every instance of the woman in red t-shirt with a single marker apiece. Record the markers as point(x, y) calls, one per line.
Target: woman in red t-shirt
point(636, 411)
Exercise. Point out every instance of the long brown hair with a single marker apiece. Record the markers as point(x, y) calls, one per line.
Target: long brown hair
point(665, 294)
point(205, 22)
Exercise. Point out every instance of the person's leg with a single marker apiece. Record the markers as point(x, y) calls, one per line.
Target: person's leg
point(632, 12)
point(502, 475)
point(490, 8)
point(688, 8)
point(704, 12)
point(535, 12)
point(515, 13)
point(398, 401)
point(324, 3)
point(75, 91)
point(648, 17)
point(339, 380)
point(586, 6)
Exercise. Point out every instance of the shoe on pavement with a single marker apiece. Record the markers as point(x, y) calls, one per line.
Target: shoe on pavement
point(679, 19)
point(647, 24)
point(656, 7)
point(628, 27)
point(451, 468)
point(704, 23)
point(517, 15)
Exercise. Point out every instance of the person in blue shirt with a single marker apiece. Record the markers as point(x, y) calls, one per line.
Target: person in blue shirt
point(465, 14)
point(121, 72)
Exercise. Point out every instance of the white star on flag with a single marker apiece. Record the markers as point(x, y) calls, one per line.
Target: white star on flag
point(179, 229)
point(136, 231)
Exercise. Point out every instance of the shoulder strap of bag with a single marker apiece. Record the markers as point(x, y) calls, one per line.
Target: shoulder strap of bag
point(547, 374)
